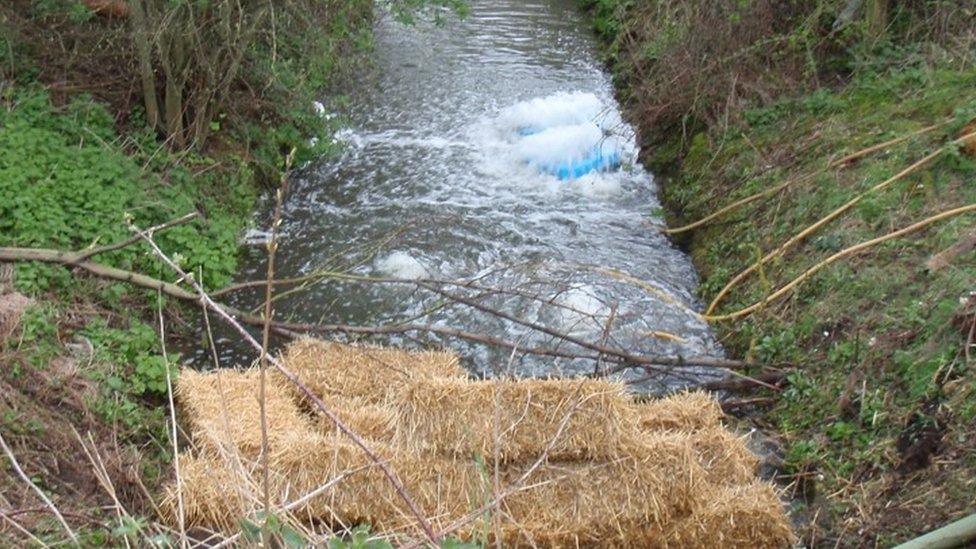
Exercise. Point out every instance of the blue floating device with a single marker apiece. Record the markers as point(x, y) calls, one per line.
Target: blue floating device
point(596, 161)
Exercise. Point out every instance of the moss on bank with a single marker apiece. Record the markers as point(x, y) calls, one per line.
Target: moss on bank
point(878, 409)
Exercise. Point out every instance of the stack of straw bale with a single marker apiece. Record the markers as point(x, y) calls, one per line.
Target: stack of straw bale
point(570, 462)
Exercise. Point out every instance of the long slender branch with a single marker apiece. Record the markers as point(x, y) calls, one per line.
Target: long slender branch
point(292, 329)
point(266, 331)
point(85, 254)
point(308, 393)
point(601, 349)
point(783, 248)
point(40, 493)
point(840, 255)
point(773, 190)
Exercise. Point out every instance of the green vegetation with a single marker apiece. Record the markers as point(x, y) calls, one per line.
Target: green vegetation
point(879, 402)
point(66, 184)
point(121, 112)
point(80, 159)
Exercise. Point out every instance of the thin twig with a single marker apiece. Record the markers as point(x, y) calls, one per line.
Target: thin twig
point(181, 515)
point(292, 330)
point(828, 218)
point(292, 505)
point(771, 191)
point(27, 533)
point(519, 484)
point(23, 476)
point(308, 393)
point(840, 255)
point(86, 254)
point(266, 334)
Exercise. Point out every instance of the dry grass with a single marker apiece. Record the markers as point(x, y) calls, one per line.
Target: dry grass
point(632, 497)
point(215, 495)
point(684, 411)
point(725, 458)
point(371, 421)
point(686, 66)
point(743, 515)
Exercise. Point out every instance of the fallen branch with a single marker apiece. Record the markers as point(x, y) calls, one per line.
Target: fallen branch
point(769, 192)
point(350, 277)
point(600, 349)
point(746, 383)
point(306, 392)
point(827, 219)
point(293, 330)
point(840, 255)
point(742, 202)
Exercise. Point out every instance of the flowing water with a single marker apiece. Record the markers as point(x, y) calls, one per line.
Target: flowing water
point(437, 181)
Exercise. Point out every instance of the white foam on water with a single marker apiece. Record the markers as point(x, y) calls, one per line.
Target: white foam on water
point(598, 184)
point(397, 139)
point(401, 265)
point(523, 144)
point(582, 311)
point(560, 109)
point(563, 145)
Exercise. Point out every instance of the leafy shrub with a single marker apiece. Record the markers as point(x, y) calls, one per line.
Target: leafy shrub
point(64, 185)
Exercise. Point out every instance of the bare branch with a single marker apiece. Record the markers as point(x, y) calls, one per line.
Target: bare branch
point(40, 493)
point(291, 377)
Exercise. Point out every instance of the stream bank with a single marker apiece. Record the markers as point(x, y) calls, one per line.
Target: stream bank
point(79, 161)
point(877, 410)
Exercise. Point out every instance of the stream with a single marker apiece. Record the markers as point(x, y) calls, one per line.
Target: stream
point(440, 178)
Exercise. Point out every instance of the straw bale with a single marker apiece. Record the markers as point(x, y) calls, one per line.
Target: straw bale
point(372, 374)
point(682, 411)
point(222, 410)
point(571, 418)
point(215, 495)
point(614, 473)
point(630, 498)
point(442, 488)
point(370, 421)
point(748, 515)
point(724, 456)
